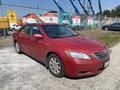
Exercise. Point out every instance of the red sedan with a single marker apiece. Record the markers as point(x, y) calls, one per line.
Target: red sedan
point(63, 51)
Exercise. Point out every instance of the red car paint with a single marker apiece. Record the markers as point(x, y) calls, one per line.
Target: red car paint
point(73, 67)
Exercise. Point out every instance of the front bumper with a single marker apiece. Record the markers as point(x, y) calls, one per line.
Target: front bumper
point(82, 68)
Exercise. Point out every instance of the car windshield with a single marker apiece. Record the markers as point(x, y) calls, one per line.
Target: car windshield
point(58, 31)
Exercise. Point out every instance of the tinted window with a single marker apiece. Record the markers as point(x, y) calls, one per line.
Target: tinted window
point(26, 30)
point(58, 31)
point(115, 24)
point(35, 30)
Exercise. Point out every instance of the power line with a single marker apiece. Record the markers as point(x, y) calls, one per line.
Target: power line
point(21, 6)
point(38, 8)
point(28, 7)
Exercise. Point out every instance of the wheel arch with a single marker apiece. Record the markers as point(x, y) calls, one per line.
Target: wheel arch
point(61, 61)
point(48, 54)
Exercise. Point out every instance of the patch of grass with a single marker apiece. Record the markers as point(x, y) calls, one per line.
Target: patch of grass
point(110, 40)
point(6, 42)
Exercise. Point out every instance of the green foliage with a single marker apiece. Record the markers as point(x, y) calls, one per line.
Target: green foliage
point(90, 27)
point(107, 13)
point(112, 13)
point(110, 40)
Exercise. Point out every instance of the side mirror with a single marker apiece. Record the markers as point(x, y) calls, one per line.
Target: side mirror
point(38, 36)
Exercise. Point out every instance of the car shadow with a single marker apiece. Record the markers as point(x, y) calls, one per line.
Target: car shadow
point(38, 61)
point(77, 78)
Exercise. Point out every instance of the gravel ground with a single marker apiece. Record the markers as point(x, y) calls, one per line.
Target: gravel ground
point(20, 72)
point(6, 41)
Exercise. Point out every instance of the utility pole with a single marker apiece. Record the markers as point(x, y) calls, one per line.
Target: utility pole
point(5, 34)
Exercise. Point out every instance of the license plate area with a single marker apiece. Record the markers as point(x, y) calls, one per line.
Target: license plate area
point(106, 64)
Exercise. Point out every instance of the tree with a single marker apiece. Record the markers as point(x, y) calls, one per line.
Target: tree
point(112, 13)
point(117, 11)
point(107, 13)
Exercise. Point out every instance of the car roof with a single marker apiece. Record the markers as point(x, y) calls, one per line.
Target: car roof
point(116, 23)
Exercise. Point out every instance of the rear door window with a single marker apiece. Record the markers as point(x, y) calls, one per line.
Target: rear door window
point(26, 30)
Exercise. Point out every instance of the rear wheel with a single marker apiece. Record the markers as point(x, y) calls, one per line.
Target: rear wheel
point(13, 29)
point(55, 66)
point(17, 47)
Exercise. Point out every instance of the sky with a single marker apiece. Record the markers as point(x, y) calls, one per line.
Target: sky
point(49, 4)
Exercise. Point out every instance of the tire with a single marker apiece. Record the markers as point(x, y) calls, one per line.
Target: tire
point(106, 29)
point(13, 29)
point(55, 65)
point(17, 47)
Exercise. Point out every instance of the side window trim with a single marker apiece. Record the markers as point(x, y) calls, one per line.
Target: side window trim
point(30, 29)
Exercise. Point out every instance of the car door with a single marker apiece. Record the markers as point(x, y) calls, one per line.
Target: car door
point(25, 34)
point(36, 46)
point(118, 29)
point(114, 26)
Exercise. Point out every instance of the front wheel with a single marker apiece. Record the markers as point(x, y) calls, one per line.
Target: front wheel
point(17, 47)
point(106, 29)
point(55, 66)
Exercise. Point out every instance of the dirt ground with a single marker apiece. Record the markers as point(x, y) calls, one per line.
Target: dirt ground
point(6, 41)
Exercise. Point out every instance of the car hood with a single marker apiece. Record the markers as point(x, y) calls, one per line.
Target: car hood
point(80, 42)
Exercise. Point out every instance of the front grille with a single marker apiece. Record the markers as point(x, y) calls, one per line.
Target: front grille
point(101, 55)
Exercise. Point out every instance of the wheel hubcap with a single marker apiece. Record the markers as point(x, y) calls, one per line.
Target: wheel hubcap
point(17, 47)
point(55, 65)
point(106, 29)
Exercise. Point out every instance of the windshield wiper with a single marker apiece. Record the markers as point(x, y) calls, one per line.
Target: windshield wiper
point(65, 36)
point(72, 35)
point(75, 35)
point(56, 37)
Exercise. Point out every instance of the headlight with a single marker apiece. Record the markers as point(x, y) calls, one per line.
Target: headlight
point(78, 55)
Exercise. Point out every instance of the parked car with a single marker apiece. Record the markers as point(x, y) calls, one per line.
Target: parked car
point(62, 50)
point(14, 26)
point(112, 27)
